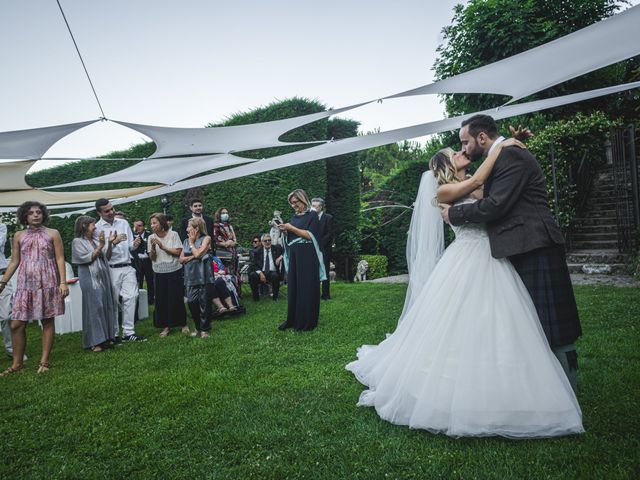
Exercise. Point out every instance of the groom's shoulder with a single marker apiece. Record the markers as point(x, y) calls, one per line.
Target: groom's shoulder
point(517, 156)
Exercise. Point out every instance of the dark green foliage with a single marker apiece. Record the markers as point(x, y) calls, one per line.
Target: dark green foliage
point(379, 163)
point(343, 199)
point(485, 31)
point(252, 200)
point(256, 403)
point(386, 231)
point(377, 266)
point(571, 142)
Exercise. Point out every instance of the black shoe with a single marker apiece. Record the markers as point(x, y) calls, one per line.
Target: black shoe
point(117, 342)
point(325, 298)
point(134, 338)
point(284, 326)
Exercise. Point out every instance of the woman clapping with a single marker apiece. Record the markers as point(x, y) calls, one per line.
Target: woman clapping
point(164, 249)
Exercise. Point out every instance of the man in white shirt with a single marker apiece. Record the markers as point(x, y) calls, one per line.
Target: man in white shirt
point(123, 275)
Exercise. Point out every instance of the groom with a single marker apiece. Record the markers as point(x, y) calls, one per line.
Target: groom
point(522, 229)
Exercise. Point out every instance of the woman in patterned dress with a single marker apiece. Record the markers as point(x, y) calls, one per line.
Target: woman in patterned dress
point(38, 255)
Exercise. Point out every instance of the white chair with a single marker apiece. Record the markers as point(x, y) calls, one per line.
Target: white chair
point(143, 304)
point(71, 320)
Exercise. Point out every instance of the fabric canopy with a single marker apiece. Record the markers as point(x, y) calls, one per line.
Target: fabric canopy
point(16, 197)
point(12, 175)
point(603, 43)
point(164, 170)
point(353, 144)
point(33, 143)
point(172, 142)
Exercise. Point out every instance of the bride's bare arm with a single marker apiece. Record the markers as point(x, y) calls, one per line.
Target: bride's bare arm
point(451, 192)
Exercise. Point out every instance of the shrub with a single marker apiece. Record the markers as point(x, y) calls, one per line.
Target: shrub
point(377, 266)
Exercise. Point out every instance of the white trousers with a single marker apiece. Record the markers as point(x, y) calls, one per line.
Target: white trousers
point(125, 286)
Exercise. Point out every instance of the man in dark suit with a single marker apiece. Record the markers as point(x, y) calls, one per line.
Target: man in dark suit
point(265, 267)
point(326, 242)
point(141, 260)
point(196, 208)
point(521, 228)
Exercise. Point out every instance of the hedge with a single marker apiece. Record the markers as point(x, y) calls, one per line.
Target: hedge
point(377, 266)
point(250, 200)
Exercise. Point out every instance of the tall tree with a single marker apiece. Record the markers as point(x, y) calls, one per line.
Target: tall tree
point(485, 31)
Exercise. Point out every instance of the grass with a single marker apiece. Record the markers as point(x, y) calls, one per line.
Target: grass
point(254, 402)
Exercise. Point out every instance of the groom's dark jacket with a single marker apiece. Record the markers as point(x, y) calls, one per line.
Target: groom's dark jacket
point(515, 206)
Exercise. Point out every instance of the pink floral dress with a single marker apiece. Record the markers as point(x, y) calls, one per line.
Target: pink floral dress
point(37, 294)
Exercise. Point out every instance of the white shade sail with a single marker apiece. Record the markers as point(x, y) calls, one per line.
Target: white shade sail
point(164, 170)
point(17, 197)
point(354, 144)
point(604, 43)
point(12, 174)
point(173, 142)
point(33, 143)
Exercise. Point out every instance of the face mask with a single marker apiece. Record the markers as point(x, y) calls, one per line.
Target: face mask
point(224, 217)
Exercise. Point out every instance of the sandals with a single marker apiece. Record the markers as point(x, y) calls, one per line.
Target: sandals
point(222, 310)
point(43, 367)
point(186, 330)
point(195, 333)
point(164, 333)
point(10, 371)
point(204, 335)
point(97, 349)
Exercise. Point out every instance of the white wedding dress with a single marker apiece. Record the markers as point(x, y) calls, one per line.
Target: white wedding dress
point(469, 357)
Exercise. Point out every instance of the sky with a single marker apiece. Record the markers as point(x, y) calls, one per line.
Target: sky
point(191, 62)
point(188, 63)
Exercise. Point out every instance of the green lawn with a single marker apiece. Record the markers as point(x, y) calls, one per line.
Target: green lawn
point(254, 402)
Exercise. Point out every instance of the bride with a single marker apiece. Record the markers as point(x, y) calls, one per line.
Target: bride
point(469, 357)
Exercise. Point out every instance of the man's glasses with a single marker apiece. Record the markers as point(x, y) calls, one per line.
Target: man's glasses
point(268, 240)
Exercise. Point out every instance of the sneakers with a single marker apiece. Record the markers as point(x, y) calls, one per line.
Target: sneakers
point(134, 338)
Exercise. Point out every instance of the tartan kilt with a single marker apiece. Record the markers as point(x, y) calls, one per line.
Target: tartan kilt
point(545, 273)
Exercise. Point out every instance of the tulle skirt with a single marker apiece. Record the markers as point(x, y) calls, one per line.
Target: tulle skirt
point(469, 357)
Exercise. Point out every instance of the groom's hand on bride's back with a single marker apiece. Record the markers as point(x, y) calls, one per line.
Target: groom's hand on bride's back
point(521, 133)
point(444, 211)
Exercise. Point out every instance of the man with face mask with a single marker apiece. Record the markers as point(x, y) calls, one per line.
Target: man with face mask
point(521, 228)
point(326, 241)
point(196, 206)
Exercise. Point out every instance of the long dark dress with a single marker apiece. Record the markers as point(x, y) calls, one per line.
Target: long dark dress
point(303, 276)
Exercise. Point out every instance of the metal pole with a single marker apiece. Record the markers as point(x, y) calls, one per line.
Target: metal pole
point(555, 180)
point(633, 163)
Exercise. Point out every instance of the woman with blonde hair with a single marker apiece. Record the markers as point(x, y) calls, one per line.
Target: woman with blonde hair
point(198, 275)
point(304, 264)
point(469, 357)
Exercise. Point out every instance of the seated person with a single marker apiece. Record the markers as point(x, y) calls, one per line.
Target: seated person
point(222, 289)
point(265, 267)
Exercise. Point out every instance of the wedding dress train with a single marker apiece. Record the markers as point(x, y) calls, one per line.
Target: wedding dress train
point(469, 357)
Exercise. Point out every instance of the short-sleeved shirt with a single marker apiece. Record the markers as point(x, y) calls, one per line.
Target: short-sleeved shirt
point(165, 263)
